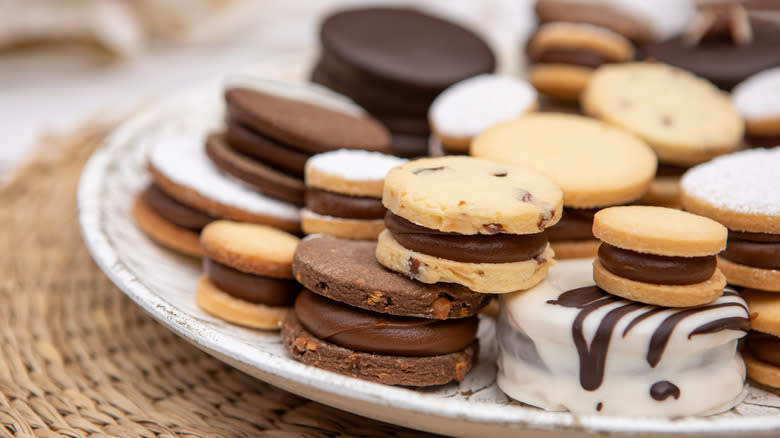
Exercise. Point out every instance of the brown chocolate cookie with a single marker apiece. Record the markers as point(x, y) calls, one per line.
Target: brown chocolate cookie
point(347, 271)
point(381, 368)
point(264, 179)
point(247, 141)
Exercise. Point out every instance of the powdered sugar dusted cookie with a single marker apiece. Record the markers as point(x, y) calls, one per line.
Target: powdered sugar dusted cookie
point(568, 345)
point(470, 106)
point(350, 172)
point(757, 100)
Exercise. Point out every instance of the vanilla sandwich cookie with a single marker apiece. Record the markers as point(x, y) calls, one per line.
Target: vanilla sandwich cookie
point(756, 99)
point(761, 347)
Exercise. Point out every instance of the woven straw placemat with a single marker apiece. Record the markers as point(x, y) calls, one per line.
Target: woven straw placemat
point(79, 359)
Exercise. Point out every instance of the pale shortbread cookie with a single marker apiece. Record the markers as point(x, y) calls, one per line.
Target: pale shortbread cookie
point(561, 81)
point(740, 190)
point(610, 45)
point(756, 99)
point(667, 295)
point(750, 276)
point(761, 372)
point(470, 106)
point(686, 119)
point(573, 249)
point(255, 249)
point(167, 234)
point(765, 307)
point(224, 306)
point(364, 229)
point(595, 164)
point(468, 195)
point(660, 231)
point(494, 278)
point(664, 191)
point(350, 172)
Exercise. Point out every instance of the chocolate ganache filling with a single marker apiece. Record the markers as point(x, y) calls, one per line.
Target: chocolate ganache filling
point(763, 347)
point(344, 206)
point(759, 250)
point(480, 248)
point(762, 142)
point(251, 287)
point(578, 57)
point(248, 141)
point(651, 268)
point(576, 224)
point(362, 330)
point(174, 211)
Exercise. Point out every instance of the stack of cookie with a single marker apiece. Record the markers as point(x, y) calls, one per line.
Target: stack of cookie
point(595, 164)
point(344, 193)
point(394, 62)
point(274, 127)
point(358, 319)
point(757, 101)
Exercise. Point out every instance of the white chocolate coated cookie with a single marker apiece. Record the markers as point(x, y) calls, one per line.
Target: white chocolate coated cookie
point(472, 196)
point(553, 344)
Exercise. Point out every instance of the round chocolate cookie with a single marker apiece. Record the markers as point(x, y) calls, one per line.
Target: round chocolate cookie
point(347, 271)
point(249, 142)
point(405, 48)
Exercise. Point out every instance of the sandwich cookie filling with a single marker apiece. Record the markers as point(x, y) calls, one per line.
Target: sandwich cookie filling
point(763, 346)
point(327, 203)
point(251, 287)
point(759, 250)
point(651, 268)
point(576, 224)
point(174, 211)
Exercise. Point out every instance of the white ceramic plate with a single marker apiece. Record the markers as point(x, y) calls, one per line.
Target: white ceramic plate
point(163, 284)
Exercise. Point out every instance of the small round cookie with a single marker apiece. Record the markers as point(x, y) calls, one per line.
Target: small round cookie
point(468, 195)
point(740, 191)
point(247, 273)
point(347, 271)
point(560, 81)
point(761, 348)
point(470, 106)
point(265, 149)
point(756, 100)
point(344, 191)
point(180, 167)
point(596, 166)
point(659, 255)
point(568, 345)
point(685, 119)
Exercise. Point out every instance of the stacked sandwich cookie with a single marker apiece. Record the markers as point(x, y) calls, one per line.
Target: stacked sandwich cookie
point(595, 164)
point(761, 347)
point(741, 192)
point(188, 192)
point(468, 221)
point(358, 319)
point(756, 100)
point(394, 62)
point(273, 128)
point(344, 193)
point(467, 108)
point(247, 277)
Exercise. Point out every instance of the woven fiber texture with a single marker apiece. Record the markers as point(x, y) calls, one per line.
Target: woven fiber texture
point(79, 359)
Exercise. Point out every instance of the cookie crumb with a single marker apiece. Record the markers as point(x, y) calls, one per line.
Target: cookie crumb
point(441, 308)
point(494, 228)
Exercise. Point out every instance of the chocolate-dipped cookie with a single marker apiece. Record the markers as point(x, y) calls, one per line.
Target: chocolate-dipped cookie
point(596, 166)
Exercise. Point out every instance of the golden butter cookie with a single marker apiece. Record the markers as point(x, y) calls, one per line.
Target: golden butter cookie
point(609, 45)
point(479, 277)
point(750, 276)
point(575, 249)
point(164, 232)
point(364, 229)
point(686, 119)
point(661, 231)
point(765, 310)
point(235, 310)
point(561, 81)
point(666, 295)
point(350, 172)
point(595, 164)
point(761, 372)
point(664, 191)
point(250, 248)
point(468, 195)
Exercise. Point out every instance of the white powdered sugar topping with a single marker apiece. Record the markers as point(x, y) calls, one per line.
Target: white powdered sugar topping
point(354, 165)
point(468, 107)
point(183, 160)
point(745, 182)
point(758, 97)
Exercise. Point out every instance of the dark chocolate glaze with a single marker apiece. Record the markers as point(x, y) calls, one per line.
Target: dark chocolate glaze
point(372, 332)
point(651, 268)
point(576, 224)
point(763, 255)
point(251, 287)
point(174, 211)
point(579, 57)
point(593, 357)
point(762, 141)
point(343, 206)
point(481, 248)
point(763, 347)
point(270, 151)
point(664, 389)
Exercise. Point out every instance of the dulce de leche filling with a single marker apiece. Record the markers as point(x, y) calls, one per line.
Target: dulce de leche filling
point(759, 250)
point(344, 206)
point(576, 224)
point(480, 248)
point(651, 268)
point(763, 347)
point(372, 332)
point(174, 211)
point(251, 287)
